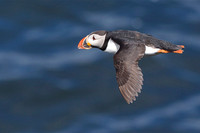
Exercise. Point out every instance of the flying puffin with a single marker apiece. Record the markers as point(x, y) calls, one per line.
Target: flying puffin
point(128, 48)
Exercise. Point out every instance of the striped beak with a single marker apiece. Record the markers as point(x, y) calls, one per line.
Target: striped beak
point(83, 44)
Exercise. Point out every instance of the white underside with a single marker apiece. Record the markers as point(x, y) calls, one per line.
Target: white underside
point(112, 47)
point(151, 50)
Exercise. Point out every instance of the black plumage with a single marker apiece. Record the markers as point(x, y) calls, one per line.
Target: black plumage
point(128, 73)
point(120, 35)
point(129, 47)
point(132, 48)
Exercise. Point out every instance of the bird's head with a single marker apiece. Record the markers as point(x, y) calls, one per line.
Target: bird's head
point(93, 40)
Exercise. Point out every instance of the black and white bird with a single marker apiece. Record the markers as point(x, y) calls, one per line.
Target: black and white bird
point(128, 48)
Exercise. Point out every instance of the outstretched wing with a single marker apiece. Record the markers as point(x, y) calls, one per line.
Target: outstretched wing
point(128, 73)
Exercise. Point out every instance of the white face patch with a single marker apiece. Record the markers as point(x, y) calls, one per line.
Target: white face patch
point(96, 40)
point(151, 50)
point(112, 47)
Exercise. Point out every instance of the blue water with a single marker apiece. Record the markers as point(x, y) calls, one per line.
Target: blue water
point(48, 85)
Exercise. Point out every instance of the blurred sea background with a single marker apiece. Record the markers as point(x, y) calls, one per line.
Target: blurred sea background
point(48, 85)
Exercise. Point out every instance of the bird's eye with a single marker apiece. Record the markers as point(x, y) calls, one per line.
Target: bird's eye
point(93, 38)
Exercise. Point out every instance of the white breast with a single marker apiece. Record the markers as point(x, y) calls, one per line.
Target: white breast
point(112, 47)
point(151, 50)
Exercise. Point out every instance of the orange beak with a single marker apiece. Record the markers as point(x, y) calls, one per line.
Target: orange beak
point(83, 44)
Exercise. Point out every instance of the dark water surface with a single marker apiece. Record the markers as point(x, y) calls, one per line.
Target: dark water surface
point(48, 85)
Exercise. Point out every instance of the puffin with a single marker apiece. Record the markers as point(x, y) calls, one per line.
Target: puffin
point(128, 48)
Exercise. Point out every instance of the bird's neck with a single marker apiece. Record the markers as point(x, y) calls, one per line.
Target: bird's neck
point(112, 47)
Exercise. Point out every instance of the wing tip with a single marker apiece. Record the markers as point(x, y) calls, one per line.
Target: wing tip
point(130, 101)
point(129, 98)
